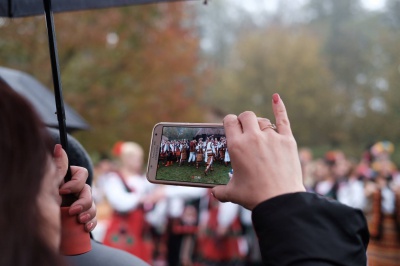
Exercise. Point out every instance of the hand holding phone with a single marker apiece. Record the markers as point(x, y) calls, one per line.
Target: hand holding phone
point(265, 162)
point(189, 154)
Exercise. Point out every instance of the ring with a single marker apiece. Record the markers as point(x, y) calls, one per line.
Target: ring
point(272, 126)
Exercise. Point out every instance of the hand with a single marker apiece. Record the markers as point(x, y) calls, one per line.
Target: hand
point(265, 161)
point(155, 196)
point(84, 207)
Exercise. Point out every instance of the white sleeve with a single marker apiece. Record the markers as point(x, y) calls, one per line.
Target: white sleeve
point(185, 193)
point(227, 213)
point(358, 196)
point(245, 216)
point(119, 199)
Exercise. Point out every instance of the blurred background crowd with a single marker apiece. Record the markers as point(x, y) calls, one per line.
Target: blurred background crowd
point(335, 63)
point(187, 226)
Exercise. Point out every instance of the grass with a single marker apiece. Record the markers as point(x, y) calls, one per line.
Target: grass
point(190, 174)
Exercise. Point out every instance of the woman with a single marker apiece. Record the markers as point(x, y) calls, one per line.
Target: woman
point(125, 191)
point(29, 186)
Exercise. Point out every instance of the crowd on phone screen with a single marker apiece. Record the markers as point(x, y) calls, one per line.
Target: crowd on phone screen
point(196, 152)
point(186, 226)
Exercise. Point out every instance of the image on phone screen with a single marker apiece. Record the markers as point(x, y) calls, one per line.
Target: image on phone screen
point(193, 155)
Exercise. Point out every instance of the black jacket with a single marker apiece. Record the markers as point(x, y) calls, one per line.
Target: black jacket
point(307, 229)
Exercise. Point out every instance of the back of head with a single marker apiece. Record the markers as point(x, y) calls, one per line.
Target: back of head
point(25, 150)
point(77, 154)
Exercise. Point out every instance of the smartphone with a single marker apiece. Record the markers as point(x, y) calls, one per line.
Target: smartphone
point(189, 154)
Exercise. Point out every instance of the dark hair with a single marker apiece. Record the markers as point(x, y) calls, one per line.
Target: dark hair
point(25, 147)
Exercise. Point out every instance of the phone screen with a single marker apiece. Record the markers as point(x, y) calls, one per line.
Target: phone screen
point(193, 154)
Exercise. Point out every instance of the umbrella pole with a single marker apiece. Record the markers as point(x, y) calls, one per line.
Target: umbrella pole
point(56, 79)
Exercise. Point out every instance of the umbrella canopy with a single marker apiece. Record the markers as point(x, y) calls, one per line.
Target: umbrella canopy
point(23, 8)
point(41, 98)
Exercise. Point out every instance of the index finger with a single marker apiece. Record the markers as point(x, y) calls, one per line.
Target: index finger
point(249, 122)
point(232, 127)
point(281, 117)
point(77, 182)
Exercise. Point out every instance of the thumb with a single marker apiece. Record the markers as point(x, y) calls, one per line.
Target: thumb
point(221, 193)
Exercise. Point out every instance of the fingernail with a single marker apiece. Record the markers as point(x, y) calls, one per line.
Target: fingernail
point(84, 218)
point(89, 226)
point(64, 191)
point(75, 210)
point(275, 98)
point(57, 150)
point(212, 193)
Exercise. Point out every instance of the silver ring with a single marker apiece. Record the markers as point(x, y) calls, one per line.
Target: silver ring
point(272, 126)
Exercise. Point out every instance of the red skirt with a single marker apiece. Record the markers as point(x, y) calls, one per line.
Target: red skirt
point(130, 232)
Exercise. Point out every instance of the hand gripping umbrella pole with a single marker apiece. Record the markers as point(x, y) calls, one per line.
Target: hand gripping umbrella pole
point(74, 239)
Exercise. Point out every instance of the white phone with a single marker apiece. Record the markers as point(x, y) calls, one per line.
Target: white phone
point(189, 154)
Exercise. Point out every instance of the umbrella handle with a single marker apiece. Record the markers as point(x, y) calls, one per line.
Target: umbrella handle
point(68, 199)
point(74, 239)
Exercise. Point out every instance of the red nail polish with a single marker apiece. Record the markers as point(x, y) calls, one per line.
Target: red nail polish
point(64, 191)
point(275, 98)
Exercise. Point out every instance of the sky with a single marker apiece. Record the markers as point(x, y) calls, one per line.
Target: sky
point(374, 4)
point(256, 5)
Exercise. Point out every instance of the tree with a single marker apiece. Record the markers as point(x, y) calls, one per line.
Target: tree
point(123, 69)
point(285, 60)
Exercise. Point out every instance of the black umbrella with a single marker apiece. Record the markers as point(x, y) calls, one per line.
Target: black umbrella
point(22, 8)
point(41, 98)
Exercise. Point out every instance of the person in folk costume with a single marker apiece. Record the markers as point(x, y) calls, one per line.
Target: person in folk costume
point(162, 158)
point(199, 153)
point(216, 146)
point(180, 207)
point(182, 224)
point(383, 210)
point(220, 234)
point(351, 189)
point(326, 182)
point(205, 158)
point(125, 190)
point(169, 150)
point(184, 153)
point(178, 150)
point(227, 158)
point(249, 244)
point(210, 152)
point(221, 150)
point(192, 152)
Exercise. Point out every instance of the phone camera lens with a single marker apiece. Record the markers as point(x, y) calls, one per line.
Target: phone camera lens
point(156, 134)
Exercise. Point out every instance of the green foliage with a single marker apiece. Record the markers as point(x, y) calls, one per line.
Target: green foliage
point(123, 69)
point(337, 71)
point(278, 59)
